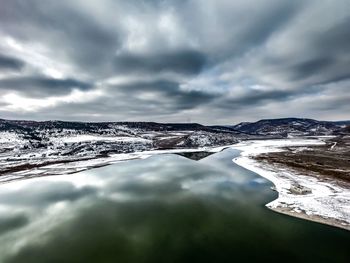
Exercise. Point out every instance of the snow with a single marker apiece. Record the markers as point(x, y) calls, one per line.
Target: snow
point(327, 200)
point(85, 138)
point(333, 145)
point(9, 137)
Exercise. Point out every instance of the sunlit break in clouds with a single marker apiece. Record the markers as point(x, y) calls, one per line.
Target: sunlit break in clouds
point(212, 61)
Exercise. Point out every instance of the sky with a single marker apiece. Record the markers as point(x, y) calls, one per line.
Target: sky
point(205, 61)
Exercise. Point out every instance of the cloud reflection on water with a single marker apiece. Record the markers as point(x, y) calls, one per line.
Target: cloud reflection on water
point(141, 211)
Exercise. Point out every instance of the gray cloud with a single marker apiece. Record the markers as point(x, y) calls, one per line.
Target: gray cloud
point(182, 59)
point(310, 67)
point(41, 86)
point(320, 54)
point(50, 193)
point(162, 100)
point(166, 94)
point(70, 33)
point(12, 222)
point(10, 63)
point(255, 98)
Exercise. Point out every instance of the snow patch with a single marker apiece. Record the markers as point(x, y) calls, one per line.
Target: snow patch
point(326, 199)
point(85, 138)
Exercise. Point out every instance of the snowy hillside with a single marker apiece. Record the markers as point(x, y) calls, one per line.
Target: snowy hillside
point(28, 145)
point(290, 127)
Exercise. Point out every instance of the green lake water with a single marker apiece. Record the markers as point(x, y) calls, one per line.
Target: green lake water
point(163, 209)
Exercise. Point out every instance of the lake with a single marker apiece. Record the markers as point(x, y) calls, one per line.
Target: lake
point(166, 208)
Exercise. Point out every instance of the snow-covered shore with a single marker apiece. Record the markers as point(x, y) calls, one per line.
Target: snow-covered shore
point(327, 203)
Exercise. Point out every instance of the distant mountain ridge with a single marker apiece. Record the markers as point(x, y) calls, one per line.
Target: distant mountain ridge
point(281, 127)
point(291, 127)
point(6, 125)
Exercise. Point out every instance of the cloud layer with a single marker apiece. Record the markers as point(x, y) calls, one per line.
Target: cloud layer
point(216, 61)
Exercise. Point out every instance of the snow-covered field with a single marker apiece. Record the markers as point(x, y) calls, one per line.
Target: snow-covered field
point(9, 139)
point(92, 138)
point(327, 203)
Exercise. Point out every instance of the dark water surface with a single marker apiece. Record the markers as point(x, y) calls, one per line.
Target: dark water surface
point(163, 209)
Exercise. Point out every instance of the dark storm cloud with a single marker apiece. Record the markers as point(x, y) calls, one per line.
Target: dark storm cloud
point(42, 86)
point(324, 58)
point(336, 38)
point(70, 32)
point(257, 27)
point(310, 67)
point(159, 99)
point(179, 57)
point(256, 98)
point(10, 63)
point(181, 61)
point(163, 94)
point(335, 42)
point(228, 29)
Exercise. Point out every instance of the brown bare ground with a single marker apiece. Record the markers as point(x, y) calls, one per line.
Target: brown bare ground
point(326, 162)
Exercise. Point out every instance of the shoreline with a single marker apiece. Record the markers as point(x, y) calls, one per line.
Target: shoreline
point(71, 167)
point(328, 203)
